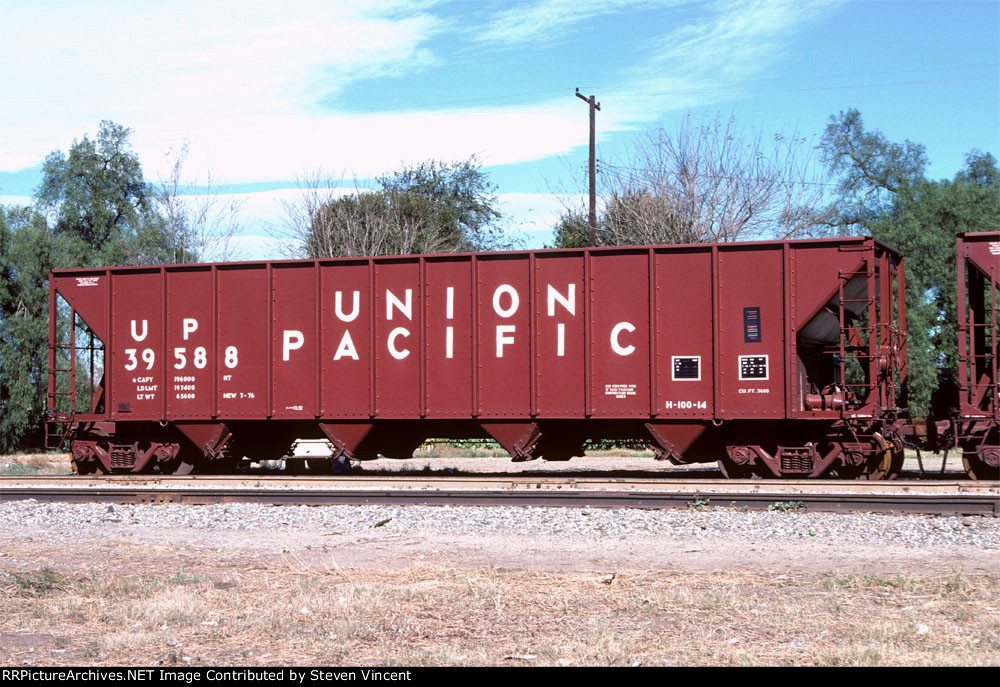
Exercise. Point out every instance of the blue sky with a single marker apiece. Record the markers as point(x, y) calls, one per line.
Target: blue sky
point(266, 93)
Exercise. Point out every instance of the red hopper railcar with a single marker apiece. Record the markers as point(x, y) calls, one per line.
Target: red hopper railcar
point(780, 357)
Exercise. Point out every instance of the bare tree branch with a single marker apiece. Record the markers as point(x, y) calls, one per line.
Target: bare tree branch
point(202, 227)
point(710, 181)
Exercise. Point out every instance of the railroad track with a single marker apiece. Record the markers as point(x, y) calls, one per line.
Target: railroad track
point(929, 497)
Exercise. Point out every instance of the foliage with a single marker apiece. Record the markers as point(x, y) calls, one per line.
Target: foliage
point(432, 207)
point(380, 223)
point(93, 208)
point(573, 230)
point(882, 190)
point(458, 201)
point(38, 582)
point(100, 206)
point(26, 256)
point(872, 169)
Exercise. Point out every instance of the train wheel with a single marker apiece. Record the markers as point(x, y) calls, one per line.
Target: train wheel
point(877, 469)
point(884, 465)
point(978, 469)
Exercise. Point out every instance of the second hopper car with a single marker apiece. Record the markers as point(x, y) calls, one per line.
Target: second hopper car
point(973, 422)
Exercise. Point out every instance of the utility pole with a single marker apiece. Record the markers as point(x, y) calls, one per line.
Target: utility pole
point(594, 106)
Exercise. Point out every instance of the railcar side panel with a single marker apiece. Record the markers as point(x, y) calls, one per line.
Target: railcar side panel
point(346, 342)
point(559, 335)
point(685, 369)
point(137, 328)
point(816, 274)
point(504, 346)
point(448, 337)
point(243, 350)
point(751, 334)
point(619, 343)
point(293, 340)
point(191, 358)
point(398, 305)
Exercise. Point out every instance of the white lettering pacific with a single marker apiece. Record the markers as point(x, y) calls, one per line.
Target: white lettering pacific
point(502, 339)
point(436, 315)
point(346, 347)
point(615, 344)
point(391, 343)
point(292, 341)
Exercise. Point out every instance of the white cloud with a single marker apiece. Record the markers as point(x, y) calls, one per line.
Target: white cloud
point(547, 19)
point(704, 61)
point(171, 68)
point(15, 201)
point(252, 247)
point(242, 82)
point(283, 147)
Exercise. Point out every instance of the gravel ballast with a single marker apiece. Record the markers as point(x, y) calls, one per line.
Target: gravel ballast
point(699, 524)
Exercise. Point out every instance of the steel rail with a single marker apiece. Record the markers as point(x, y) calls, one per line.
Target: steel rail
point(494, 481)
point(985, 502)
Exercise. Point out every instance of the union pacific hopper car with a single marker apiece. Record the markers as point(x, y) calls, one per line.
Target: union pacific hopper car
point(782, 358)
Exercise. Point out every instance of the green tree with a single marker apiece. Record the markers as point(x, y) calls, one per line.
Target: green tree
point(430, 207)
point(573, 230)
point(99, 204)
point(97, 211)
point(26, 252)
point(376, 223)
point(882, 190)
point(461, 203)
point(871, 168)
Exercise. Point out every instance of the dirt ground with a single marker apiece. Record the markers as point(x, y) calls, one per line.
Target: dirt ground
point(124, 594)
point(131, 595)
point(136, 550)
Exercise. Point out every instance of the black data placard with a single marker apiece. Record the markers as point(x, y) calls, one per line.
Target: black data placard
point(751, 325)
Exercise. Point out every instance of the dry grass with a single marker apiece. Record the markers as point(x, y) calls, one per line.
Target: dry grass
point(432, 616)
point(40, 463)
